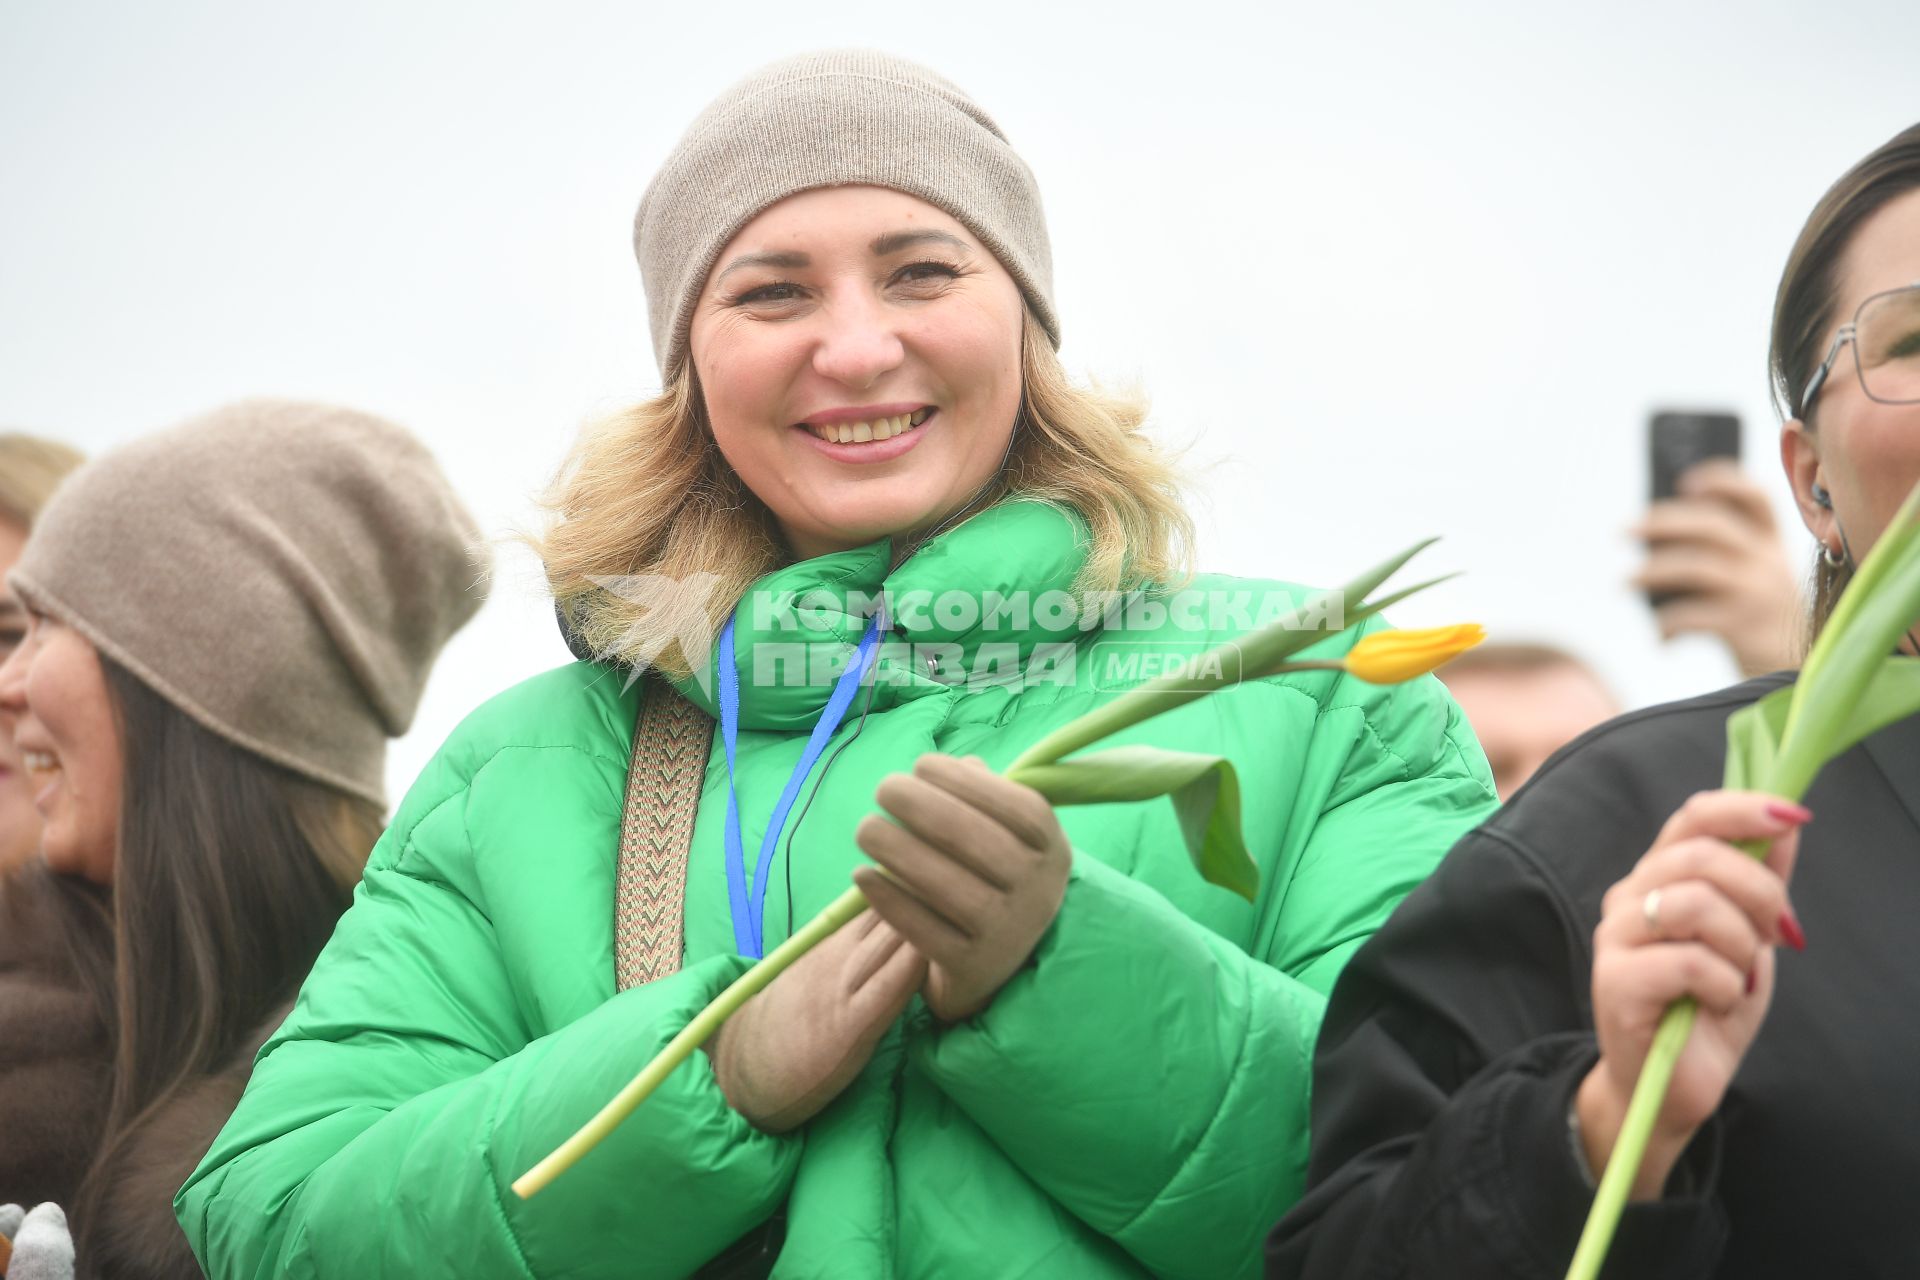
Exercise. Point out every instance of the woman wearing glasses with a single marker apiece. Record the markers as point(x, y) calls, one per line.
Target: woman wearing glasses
point(1479, 1052)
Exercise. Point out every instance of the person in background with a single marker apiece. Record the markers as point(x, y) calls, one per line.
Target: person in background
point(1717, 550)
point(227, 621)
point(1525, 702)
point(29, 470)
point(1478, 1054)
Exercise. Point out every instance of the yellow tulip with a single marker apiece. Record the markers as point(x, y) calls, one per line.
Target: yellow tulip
point(1389, 657)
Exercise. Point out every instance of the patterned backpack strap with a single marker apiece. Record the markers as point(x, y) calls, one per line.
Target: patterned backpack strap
point(671, 739)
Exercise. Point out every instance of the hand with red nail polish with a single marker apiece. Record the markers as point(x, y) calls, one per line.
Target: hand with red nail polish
point(1695, 917)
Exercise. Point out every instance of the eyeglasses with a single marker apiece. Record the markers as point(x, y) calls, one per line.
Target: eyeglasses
point(1885, 334)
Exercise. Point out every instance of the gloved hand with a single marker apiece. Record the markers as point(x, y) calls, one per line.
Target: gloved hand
point(975, 868)
point(42, 1248)
point(790, 1050)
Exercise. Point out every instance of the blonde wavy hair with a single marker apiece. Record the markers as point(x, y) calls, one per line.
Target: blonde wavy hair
point(30, 470)
point(647, 491)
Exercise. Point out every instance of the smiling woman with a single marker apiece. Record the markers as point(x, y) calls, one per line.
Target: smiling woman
point(29, 470)
point(1050, 1048)
point(1479, 1055)
point(226, 621)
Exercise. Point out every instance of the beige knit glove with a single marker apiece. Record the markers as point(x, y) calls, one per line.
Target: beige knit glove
point(790, 1050)
point(972, 870)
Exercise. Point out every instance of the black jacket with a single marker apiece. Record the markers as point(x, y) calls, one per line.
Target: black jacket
point(1456, 1036)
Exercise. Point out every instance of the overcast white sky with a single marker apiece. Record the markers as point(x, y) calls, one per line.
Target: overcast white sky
point(1391, 269)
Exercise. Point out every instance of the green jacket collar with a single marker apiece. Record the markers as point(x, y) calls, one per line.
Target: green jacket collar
point(798, 626)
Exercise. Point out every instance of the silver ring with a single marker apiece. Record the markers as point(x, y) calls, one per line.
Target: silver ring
point(1650, 912)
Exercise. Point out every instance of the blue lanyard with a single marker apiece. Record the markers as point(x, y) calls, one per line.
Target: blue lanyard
point(749, 909)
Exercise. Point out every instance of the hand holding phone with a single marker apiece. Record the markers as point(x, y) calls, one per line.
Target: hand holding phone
point(1676, 443)
point(1715, 561)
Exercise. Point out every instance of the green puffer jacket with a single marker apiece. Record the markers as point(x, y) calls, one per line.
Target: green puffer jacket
point(1134, 1101)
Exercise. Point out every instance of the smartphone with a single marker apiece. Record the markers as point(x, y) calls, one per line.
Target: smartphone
point(1679, 440)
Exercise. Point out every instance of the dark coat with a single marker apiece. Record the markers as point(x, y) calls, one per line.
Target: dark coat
point(1455, 1039)
point(55, 1060)
point(55, 1081)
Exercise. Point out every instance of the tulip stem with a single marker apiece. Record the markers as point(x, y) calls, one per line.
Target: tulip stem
point(1630, 1147)
point(1164, 693)
point(681, 1047)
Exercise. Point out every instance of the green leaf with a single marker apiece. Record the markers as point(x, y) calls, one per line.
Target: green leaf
point(1894, 542)
point(1205, 792)
point(1878, 605)
point(1265, 658)
point(1209, 810)
point(1266, 648)
point(1754, 732)
point(1891, 695)
point(1357, 589)
point(1753, 739)
point(1828, 701)
point(1367, 609)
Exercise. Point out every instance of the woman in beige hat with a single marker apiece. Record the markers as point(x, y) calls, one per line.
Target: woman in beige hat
point(1050, 1049)
point(227, 621)
point(29, 470)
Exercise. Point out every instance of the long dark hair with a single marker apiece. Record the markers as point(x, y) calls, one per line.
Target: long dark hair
point(229, 876)
point(1803, 307)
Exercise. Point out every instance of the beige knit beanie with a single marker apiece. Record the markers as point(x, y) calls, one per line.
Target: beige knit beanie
point(835, 118)
point(284, 573)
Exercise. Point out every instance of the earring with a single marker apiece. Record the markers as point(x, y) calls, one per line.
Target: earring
point(1833, 559)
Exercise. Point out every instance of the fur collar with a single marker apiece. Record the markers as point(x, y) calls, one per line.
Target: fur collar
point(56, 1073)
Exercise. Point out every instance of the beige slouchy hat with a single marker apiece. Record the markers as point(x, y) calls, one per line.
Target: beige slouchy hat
point(284, 573)
point(835, 118)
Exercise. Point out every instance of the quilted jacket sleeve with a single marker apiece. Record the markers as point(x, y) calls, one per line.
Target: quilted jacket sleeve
point(387, 1118)
point(1449, 1057)
point(1151, 1075)
point(1456, 1039)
